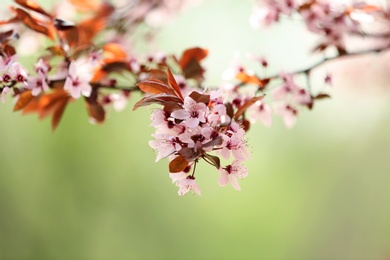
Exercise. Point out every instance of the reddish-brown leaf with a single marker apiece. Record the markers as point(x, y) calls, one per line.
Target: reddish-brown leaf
point(86, 5)
point(322, 96)
point(48, 102)
point(245, 124)
point(58, 111)
point(155, 86)
point(229, 109)
point(190, 62)
point(196, 54)
point(306, 5)
point(248, 79)
point(68, 31)
point(200, 98)
point(56, 51)
point(162, 99)
point(246, 105)
point(34, 6)
point(96, 112)
point(173, 84)
point(178, 164)
point(156, 73)
point(23, 100)
point(92, 26)
point(6, 36)
point(116, 67)
point(363, 7)
point(46, 28)
point(193, 70)
point(114, 52)
point(320, 47)
point(8, 50)
point(53, 103)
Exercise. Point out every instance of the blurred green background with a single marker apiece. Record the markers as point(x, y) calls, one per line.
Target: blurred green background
point(317, 191)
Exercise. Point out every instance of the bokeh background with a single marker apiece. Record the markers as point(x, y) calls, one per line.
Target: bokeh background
point(317, 191)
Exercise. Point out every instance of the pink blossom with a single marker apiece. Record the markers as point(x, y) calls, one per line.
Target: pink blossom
point(192, 113)
point(77, 81)
point(37, 84)
point(288, 87)
point(263, 15)
point(218, 115)
point(199, 138)
point(328, 79)
point(5, 63)
point(175, 177)
point(288, 113)
point(164, 145)
point(134, 65)
point(261, 111)
point(42, 67)
point(270, 11)
point(231, 174)
point(117, 100)
point(236, 145)
point(164, 123)
point(302, 97)
point(186, 185)
point(4, 93)
point(18, 72)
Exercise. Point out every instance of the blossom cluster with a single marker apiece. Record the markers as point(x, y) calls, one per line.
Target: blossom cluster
point(198, 127)
point(85, 54)
point(332, 21)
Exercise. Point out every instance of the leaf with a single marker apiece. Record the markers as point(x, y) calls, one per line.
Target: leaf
point(96, 112)
point(85, 5)
point(363, 7)
point(109, 68)
point(114, 52)
point(306, 6)
point(196, 54)
point(178, 164)
point(200, 98)
point(155, 86)
point(189, 154)
point(34, 24)
point(173, 84)
point(58, 112)
point(63, 25)
point(9, 50)
point(246, 105)
point(23, 100)
point(193, 70)
point(190, 62)
point(251, 79)
point(320, 47)
point(215, 141)
point(229, 109)
point(213, 160)
point(56, 51)
point(322, 96)
point(32, 5)
point(90, 27)
point(49, 104)
point(6, 36)
point(162, 99)
point(245, 124)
